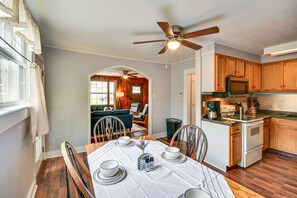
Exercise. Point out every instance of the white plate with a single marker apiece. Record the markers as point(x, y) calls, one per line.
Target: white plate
point(119, 176)
point(130, 144)
point(114, 177)
point(180, 159)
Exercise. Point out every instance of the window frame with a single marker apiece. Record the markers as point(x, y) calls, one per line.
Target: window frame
point(107, 93)
point(16, 50)
point(136, 86)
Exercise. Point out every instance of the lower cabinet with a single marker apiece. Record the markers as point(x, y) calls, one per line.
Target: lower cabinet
point(283, 135)
point(235, 145)
point(224, 144)
point(266, 135)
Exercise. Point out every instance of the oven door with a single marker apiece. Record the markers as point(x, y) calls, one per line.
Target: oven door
point(252, 135)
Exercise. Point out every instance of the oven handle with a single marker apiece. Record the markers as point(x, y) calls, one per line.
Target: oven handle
point(254, 123)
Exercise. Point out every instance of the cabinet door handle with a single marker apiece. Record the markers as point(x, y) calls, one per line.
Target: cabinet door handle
point(281, 86)
point(284, 85)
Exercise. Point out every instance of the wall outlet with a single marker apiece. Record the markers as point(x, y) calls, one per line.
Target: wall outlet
point(203, 104)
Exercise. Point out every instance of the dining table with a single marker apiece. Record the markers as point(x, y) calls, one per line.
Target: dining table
point(166, 180)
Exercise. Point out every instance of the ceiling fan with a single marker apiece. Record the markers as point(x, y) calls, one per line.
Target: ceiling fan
point(126, 74)
point(176, 37)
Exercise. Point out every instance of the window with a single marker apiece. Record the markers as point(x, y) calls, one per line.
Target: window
point(136, 90)
point(102, 93)
point(13, 66)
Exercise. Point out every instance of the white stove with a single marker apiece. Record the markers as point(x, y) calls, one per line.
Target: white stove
point(252, 134)
point(243, 118)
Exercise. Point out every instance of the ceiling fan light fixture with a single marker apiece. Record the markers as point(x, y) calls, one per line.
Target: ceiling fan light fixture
point(173, 44)
point(125, 76)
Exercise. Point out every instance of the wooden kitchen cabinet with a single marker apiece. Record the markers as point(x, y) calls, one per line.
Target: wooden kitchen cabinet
point(220, 73)
point(283, 135)
point(240, 65)
point(235, 147)
point(280, 76)
point(253, 73)
point(272, 76)
point(235, 67)
point(266, 135)
point(290, 75)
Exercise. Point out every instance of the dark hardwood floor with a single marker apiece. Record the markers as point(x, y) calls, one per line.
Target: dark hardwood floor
point(51, 179)
point(274, 176)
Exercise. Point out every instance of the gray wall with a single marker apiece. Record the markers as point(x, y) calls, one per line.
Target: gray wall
point(66, 90)
point(177, 86)
point(221, 49)
point(17, 160)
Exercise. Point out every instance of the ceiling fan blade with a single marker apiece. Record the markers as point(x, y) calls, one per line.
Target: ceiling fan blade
point(163, 50)
point(166, 28)
point(152, 41)
point(191, 45)
point(202, 32)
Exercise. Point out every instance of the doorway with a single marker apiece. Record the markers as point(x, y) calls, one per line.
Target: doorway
point(191, 117)
point(136, 94)
point(124, 91)
point(189, 98)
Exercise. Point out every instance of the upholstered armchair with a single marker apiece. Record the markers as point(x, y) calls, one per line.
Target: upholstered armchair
point(141, 117)
point(134, 107)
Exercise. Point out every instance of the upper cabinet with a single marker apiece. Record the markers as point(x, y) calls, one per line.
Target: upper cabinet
point(272, 78)
point(290, 75)
point(235, 67)
point(215, 69)
point(253, 73)
point(220, 73)
point(280, 76)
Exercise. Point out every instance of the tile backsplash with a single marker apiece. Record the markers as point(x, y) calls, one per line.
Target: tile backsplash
point(278, 101)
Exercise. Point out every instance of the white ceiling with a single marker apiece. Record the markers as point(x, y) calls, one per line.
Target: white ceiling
point(110, 27)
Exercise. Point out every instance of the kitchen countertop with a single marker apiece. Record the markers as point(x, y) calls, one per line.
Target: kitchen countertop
point(260, 114)
point(224, 122)
point(277, 114)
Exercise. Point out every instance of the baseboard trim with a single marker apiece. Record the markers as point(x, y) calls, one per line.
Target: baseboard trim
point(58, 153)
point(218, 169)
point(32, 190)
point(160, 135)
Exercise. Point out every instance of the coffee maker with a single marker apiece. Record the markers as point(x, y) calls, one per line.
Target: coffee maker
point(213, 110)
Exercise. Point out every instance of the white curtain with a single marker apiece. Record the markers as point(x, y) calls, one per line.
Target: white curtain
point(16, 13)
point(39, 117)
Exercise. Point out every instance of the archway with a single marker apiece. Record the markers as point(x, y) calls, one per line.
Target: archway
point(150, 95)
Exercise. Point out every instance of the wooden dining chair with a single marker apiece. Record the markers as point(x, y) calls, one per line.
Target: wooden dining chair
point(192, 141)
point(108, 128)
point(79, 172)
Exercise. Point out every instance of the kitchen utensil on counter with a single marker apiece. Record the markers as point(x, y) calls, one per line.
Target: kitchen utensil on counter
point(213, 110)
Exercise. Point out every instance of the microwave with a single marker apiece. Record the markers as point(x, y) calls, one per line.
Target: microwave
point(234, 86)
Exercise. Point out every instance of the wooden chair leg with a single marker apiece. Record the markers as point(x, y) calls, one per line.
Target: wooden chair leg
point(67, 184)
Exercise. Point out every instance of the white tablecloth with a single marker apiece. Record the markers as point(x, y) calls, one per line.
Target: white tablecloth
point(168, 180)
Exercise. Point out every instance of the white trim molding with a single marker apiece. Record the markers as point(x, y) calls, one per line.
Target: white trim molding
point(32, 190)
point(58, 153)
point(13, 117)
point(160, 135)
